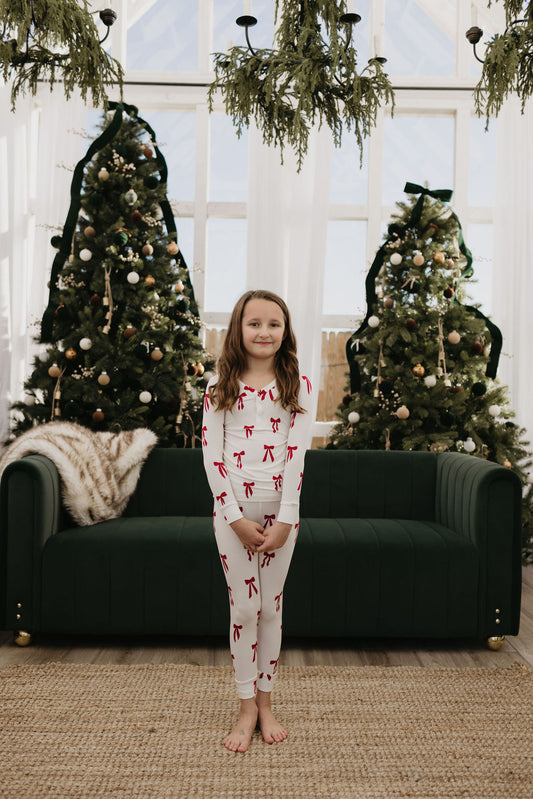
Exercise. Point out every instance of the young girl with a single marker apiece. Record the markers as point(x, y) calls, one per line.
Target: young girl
point(256, 429)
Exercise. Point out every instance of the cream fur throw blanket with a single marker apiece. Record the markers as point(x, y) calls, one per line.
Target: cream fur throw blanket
point(98, 471)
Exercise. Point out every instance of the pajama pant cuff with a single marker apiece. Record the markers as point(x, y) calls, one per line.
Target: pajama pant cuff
point(246, 689)
point(265, 683)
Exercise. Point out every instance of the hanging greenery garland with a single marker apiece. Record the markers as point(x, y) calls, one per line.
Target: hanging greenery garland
point(309, 79)
point(48, 39)
point(508, 60)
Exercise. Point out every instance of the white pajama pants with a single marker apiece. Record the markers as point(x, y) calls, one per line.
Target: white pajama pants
point(255, 587)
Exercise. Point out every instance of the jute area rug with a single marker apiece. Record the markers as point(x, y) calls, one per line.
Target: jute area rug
point(155, 731)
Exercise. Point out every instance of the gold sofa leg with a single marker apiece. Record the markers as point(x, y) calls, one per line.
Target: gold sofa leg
point(495, 642)
point(22, 638)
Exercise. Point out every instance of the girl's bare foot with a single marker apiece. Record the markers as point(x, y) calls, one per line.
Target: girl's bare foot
point(271, 729)
point(239, 738)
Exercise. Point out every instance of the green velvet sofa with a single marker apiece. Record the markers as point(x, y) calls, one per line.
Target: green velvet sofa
point(390, 544)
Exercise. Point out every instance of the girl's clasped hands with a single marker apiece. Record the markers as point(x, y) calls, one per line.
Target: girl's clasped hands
point(260, 539)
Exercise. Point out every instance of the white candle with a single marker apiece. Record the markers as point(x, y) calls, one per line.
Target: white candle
point(246, 7)
point(351, 6)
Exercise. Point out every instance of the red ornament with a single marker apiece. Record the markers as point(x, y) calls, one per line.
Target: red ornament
point(136, 216)
point(477, 348)
point(410, 324)
point(148, 152)
point(449, 292)
point(129, 331)
point(98, 415)
point(96, 300)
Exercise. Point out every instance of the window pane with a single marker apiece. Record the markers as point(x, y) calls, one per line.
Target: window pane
point(164, 37)
point(229, 161)
point(420, 37)
point(482, 164)
point(418, 149)
point(175, 132)
point(185, 228)
point(345, 269)
point(480, 242)
point(226, 263)
point(348, 180)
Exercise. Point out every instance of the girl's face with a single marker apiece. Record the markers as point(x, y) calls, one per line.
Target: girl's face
point(262, 328)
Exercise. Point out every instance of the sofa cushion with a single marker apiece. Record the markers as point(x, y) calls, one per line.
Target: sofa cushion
point(369, 484)
point(381, 577)
point(138, 575)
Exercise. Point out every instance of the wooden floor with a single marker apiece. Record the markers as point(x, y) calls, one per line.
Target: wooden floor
point(356, 652)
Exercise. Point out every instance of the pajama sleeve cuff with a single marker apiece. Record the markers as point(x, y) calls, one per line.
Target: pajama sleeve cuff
point(231, 513)
point(288, 514)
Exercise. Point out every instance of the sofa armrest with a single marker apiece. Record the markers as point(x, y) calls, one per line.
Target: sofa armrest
point(30, 510)
point(482, 501)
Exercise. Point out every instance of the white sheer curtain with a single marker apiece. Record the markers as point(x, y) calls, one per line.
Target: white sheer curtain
point(38, 138)
point(513, 272)
point(287, 227)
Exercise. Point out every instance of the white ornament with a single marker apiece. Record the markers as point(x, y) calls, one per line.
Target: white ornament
point(469, 445)
point(395, 258)
point(104, 379)
point(145, 397)
point(130, 197)
point(494, 410)
point(133, 278)
point(86, 343)
point(353, 417)
point(103, 174)
point(373, 321)
point(454, 337)
point(430, 381)
point(403, 412)
point(85, 254)
point(448, 383)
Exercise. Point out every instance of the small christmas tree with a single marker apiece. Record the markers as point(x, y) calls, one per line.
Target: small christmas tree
point(122, 322)
point(423, 364)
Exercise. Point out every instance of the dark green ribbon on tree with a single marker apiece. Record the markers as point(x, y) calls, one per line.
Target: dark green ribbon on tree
point(370, 283)
point(75, 204)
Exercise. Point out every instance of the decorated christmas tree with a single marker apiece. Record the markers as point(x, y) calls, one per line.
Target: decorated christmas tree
point(122, 323)
point(423, 364)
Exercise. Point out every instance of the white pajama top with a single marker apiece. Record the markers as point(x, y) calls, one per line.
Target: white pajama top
point(255, 452)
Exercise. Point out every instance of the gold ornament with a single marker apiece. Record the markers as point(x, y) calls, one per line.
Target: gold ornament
point(156, 354)
point(508, 463)
point(147, 249)
point(439, 257)
point(173, 248)
point(89, 231)
point(178, 287)
point(54, 370)
point(149, 280)
point(104, 379)
point(403, 412)
point(418, 259)
point(419, 370)
point(388, 302)
point(200, 368)
point(71, 353)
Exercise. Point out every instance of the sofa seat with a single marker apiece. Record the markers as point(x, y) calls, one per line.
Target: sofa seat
point(385, 577)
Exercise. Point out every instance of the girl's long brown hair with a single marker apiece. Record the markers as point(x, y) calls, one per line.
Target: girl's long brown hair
point(232, 361)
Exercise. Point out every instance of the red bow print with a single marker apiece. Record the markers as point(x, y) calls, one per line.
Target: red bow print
point(221, 468)
point(275, 664)
point(240, 404)
point(268, 452)
point(230, 596)
point(248, 487)
point(238, 455)
point(249, 430)
point(275, 424)
point(296, 527)
point(261, 394)
point(237, 631)
point(290, 452)
point(269, 519)
point(278, 601)
point(224, 559)
point(268, 557)
point(250, 389)
point(278, 480)
point(254, 649)
point(251, 586)
point(204, 439)
point(300, 483)
point(271, 394)
point(308, 383)
point(221, 498)
point(206, 401)
point(293, 418)
point(250, 555)
point(268, 676)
